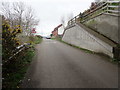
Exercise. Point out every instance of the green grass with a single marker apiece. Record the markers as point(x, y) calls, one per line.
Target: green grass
point(115, 4)
point(118, 45)
point(114, 61)
point(85, 50)
point(13, 79)
point(37, 40)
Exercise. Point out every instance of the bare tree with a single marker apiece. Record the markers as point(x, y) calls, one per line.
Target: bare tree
point(5, 6)
point(70, 16)
point(12, 12)
point(63, 21)
point(30, 20)
point(19, 14)
point(19, 9)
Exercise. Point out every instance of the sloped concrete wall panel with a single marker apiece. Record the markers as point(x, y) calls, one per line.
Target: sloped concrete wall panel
point(80, 37)
point(106, 25)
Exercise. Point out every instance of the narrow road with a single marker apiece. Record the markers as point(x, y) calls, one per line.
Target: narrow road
point(58, 65)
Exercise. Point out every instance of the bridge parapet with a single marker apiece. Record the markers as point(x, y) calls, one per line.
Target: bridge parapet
point(110, 7)
point(103, 18)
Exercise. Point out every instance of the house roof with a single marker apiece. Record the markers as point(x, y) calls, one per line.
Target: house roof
point(56, 28)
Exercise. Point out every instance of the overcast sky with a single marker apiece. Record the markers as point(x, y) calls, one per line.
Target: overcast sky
point(50, 11)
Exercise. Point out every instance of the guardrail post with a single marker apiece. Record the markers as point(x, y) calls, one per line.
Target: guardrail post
point(75, 19)
point(68, 23)
point(108, 7)
point(119, 24)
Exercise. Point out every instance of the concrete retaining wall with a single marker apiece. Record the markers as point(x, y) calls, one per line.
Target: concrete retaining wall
point(106, 25)
point(82, 38)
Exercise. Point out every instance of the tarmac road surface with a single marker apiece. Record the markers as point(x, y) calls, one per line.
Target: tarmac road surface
point(57, 65)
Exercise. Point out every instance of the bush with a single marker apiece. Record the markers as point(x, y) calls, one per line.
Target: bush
point(35, 39)
point(9, 44)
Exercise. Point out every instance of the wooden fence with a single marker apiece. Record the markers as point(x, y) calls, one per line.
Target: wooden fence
point(110, 7)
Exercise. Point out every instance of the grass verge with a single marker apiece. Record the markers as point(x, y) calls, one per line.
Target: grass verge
point(85, 50)
point(14, 73)
point(35, 40)
point(115, 61)
point(13, 79)
point(38, 40)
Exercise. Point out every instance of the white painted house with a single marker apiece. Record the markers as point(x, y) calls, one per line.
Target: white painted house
point(60, 30)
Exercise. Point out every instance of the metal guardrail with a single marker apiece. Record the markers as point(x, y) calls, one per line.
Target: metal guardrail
point(110, 7)
point(19, 49)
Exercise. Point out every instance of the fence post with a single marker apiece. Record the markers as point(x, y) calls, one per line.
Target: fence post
point(119, 23)
point(68, 23)
point(75, 19)
point(107, 8)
